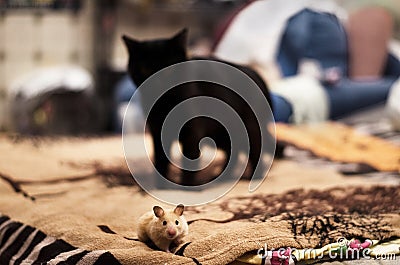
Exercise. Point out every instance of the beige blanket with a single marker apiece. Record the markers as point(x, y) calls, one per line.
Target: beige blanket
point(80, 191)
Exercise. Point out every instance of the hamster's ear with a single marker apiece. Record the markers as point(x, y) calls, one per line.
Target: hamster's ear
point(158, 211)
point(179, 209)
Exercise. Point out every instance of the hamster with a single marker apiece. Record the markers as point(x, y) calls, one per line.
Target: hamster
point(163, 227)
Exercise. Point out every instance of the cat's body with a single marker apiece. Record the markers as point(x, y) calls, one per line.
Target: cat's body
point(148, 57)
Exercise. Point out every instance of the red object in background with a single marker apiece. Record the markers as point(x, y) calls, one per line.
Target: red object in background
point(223, 26)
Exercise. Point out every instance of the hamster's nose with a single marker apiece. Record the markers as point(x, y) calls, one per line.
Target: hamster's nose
point(171, 232)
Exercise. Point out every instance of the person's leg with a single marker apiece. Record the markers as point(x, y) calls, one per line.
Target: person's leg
point(348, 96)
point(328, 45)
point(314, 35)
point(392, 66)
point(123, 92)
point(293, 42)
point(282, 108)
point(369, 32)
point(328, 42)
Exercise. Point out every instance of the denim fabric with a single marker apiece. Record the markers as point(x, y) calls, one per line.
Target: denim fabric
point(123, 92)
point(321, 37)
point(313, 35)
point(347, 95)
point(282, 108)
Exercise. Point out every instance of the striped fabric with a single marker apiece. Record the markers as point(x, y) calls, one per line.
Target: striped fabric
point(23, 244)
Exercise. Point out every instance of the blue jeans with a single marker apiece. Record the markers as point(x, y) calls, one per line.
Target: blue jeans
point(321, 37)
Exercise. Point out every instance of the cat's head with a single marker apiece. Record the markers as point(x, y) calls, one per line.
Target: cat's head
point(149, 56)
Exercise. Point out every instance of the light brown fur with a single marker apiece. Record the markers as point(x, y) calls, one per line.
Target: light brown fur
point(157, 226)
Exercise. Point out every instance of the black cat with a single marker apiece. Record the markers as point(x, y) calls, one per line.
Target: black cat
point(148, 57)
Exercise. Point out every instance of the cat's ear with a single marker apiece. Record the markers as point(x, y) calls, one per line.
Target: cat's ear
point(181, 38)
point(131, 44)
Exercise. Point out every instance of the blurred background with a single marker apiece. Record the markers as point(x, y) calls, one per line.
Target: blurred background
point(65, 58)
point(81, 39)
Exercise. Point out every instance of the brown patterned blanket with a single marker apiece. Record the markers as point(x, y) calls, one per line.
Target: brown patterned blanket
point(74, 201)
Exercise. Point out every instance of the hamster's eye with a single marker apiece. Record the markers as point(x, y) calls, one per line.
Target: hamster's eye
point(176, 222)
point(164, 223)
